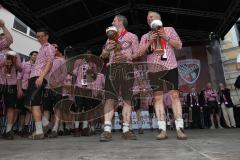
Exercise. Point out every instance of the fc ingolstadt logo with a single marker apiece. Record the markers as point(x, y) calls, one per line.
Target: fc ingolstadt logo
point(189, 70)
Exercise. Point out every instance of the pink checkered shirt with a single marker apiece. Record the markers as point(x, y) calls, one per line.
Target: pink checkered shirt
point(4, 79)
point(4, 43)
point(45, 54)
point(98, 84)
point(211, 95)
point(25, 74)
point(150, 100)
point(128, 38)
point(67, 82)
point(57, 71)
point(171, 61)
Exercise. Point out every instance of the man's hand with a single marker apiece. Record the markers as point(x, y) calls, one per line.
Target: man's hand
point(105, 55)
point(153, 37)
point(39, 81)
point(110, 46)
point(20, 93)
point(162, 34)
point(1, 23)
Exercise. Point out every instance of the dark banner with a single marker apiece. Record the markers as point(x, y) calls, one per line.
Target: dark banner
point(199, 65)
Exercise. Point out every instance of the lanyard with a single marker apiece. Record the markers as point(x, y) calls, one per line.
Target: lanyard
point(122, 34)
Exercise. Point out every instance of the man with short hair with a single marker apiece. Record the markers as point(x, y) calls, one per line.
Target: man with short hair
point(50, 97)
point(8, 78)
point(211, 97)
point(117, 83)
point(22, 81)
point(38, 81)
point(227, 105)
point(164, 72)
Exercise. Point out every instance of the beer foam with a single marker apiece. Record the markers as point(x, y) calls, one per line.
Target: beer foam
point(156, 23)
point(11, 53)
point(111, 28)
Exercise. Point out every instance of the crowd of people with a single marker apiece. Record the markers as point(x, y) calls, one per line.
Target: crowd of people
point(31, 102)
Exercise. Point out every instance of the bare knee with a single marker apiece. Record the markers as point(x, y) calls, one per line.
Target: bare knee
point(174, 95)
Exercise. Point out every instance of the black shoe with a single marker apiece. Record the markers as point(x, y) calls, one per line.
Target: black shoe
point(9, 135)
point(66, 132)
point(77, 132)
point(60, 133)
point(24, 132)
point(53, 134)
point(86, 132)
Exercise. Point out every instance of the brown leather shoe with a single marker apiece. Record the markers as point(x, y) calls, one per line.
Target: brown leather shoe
point(106, 136)
point(181, 135)
point(162, 135)
point(46, 130)
point(129, 136)
point(35, 136)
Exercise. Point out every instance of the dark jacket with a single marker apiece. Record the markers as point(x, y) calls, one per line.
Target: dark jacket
point(226, 93)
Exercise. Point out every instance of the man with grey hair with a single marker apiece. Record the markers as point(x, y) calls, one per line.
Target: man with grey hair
point(116, 81)
point(165, 71)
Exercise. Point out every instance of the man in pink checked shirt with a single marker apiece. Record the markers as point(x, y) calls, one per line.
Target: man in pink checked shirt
point(22, 80)
point(87, 95)
point(211, 97)
point(38, 81)
point(8, 81)
point(118, 79)
point(50, 96)
point(166, 71)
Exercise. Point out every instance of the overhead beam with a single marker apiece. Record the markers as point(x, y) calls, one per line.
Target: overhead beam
point(93, 20)
point(55, 7)
point(108, 3)
point(86, 8)
point(207, 14)
point(230, 18)
point(18, 9)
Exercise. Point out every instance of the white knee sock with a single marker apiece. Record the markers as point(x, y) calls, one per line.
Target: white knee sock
point(61, 127)
point(76, 124)
point(179, 123)
point(162, 125)
point(45, 121)
point(39, 128)
point(9, 127)
point(55, 127)
point(125, 127)
point(85, 124)
point(107, 126)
